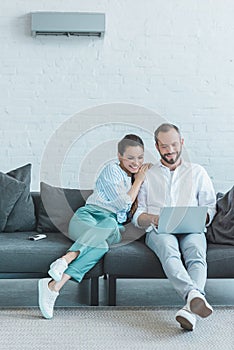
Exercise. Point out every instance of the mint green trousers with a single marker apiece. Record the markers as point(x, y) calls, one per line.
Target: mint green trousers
point(93, 230)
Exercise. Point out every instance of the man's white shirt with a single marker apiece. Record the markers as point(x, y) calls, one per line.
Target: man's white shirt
point(188, 185)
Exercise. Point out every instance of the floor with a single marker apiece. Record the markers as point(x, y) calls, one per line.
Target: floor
point(135, 292)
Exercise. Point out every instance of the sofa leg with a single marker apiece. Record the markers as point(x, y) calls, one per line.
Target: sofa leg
point(94, 294)
point(112, 291)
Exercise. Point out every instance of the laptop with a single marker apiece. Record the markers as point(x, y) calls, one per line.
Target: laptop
point(182, 220)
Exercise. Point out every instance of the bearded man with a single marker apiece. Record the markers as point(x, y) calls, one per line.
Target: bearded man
point(175, 182)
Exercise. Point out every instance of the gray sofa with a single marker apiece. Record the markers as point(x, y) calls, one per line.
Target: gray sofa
point(22, 258)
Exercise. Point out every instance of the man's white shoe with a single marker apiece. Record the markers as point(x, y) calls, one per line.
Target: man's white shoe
point(198, 304)
point(57, 269)
point(47, 298)
point(186, 319)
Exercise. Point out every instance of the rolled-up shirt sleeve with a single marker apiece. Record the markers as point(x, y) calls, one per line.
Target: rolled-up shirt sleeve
point(142, 203)
point(206, 195)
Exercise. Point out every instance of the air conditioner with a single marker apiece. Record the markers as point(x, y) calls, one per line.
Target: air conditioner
point(67, 23)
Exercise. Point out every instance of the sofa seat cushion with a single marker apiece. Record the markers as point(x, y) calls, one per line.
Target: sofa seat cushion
point(220, 261)
point(132, 259)
point(18, 254)
point(135, 259)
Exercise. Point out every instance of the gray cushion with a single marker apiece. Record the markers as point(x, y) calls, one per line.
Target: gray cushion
point(22, 216)
point(11, 190)
point(136, 260)
point(220, 261)
point(132, 259)
point(58, 206)
point(221, 230)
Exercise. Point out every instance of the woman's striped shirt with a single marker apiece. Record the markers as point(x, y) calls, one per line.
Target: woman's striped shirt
point(111, 189)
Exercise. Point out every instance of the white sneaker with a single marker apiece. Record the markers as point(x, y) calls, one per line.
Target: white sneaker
point(186, 319)
point(198, 304)
point(57, 269)
point(47, 298)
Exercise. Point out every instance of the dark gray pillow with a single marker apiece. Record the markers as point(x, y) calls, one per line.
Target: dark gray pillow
point(221, 229)
point(58, 206)
point(11, 190)
point(22, 216)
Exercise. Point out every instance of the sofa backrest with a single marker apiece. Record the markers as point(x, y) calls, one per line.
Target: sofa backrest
point(55, 206)
point(36, 200)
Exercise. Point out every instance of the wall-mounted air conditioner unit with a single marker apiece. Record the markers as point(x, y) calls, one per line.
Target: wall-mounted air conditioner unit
point(67, 23)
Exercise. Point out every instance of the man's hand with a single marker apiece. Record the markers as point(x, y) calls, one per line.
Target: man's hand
point(145, 220)
point(155, 219)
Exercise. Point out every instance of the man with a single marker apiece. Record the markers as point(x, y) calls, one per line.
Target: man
point(175, 182)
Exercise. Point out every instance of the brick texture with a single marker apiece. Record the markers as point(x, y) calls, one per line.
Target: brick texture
point(171, 57)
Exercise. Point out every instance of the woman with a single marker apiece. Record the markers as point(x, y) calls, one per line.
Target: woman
point(97, 225)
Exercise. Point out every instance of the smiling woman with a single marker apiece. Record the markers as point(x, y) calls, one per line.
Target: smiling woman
point(97, 225)
point(131, 153)
point(131, 159)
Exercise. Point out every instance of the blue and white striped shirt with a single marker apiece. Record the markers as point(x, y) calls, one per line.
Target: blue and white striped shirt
point(110, 191)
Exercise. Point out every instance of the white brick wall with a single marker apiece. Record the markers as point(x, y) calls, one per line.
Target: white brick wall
point(173, 57)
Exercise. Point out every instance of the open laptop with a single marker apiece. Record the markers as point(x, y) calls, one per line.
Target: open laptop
point(182, 220)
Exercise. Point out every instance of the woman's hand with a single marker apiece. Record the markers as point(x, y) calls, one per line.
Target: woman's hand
point(140, 175)
point(149, 165)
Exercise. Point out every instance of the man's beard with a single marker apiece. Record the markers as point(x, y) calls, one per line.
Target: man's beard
point(170, 161)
